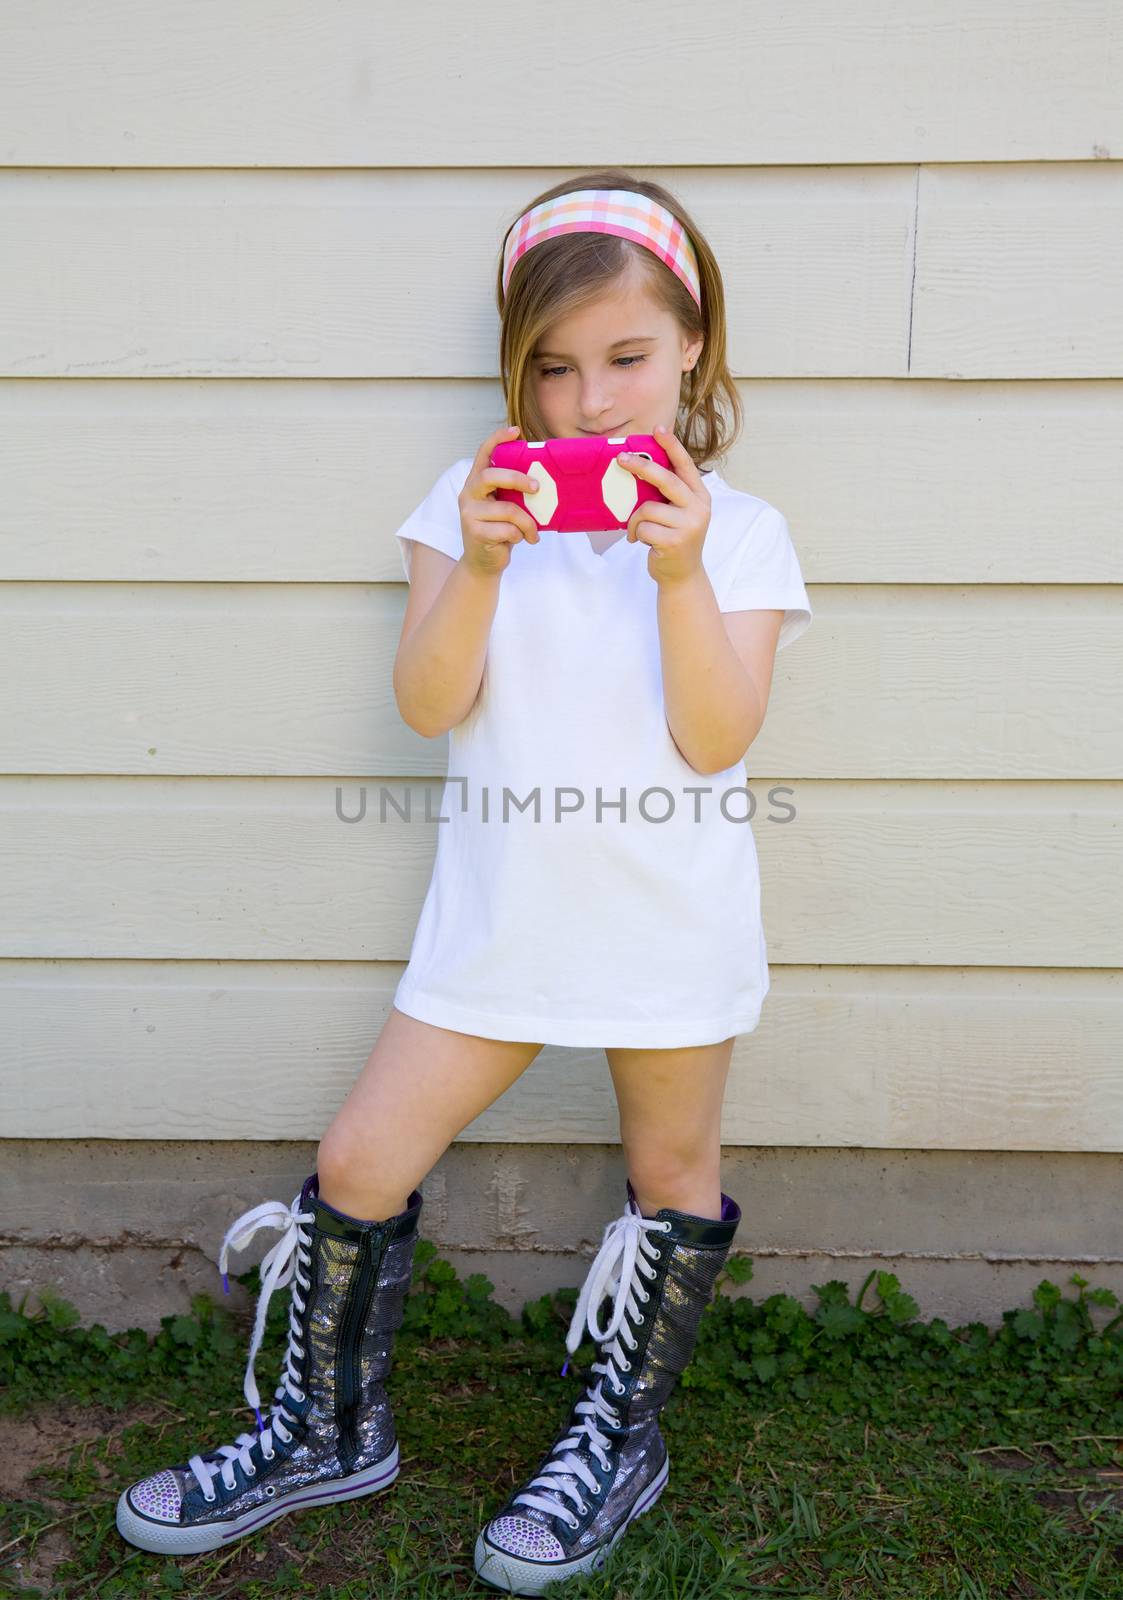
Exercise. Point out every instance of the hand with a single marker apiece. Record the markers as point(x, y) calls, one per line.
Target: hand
point(676, 531)
point(490, 527)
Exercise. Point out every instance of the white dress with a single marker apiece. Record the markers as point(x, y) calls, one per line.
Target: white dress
point(590, 887)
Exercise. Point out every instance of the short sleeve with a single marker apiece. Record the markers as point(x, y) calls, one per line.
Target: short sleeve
point(436, 521)
point(764, 574)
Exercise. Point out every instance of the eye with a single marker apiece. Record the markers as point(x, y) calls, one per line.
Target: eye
point(550, 372)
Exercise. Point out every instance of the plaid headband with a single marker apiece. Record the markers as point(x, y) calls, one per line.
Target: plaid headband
point(620, 211)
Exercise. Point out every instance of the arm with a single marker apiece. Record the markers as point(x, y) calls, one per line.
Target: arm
point(440, 660)
point(717, 672)
point(443, 646)
point(717, 666)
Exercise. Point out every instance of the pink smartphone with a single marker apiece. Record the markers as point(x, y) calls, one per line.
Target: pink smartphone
point(582, 487)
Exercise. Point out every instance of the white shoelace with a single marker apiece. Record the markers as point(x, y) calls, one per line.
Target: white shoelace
point(615, 1269)
point(289, 1257)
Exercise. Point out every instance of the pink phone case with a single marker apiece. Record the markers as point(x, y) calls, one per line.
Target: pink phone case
point(583, 489)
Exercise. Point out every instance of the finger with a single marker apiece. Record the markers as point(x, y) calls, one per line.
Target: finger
point(656, 511)
point(681, 459)
point(500, 536)
point(483, 454)
point(489, 479)
point(663, 479)
point(648, 515)
point(512, 512)
point(645, 533)
point(503, 511)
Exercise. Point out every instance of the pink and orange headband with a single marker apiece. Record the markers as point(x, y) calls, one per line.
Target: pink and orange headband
point(620, 211)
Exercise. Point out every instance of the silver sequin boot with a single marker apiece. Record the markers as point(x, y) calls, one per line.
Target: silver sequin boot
point(330, 1431)
point(610, 1464)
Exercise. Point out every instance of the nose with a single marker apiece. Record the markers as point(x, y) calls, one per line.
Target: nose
point(594, 404)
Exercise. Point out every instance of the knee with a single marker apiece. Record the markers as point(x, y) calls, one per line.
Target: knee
point(339, 1161)
point(355, 1184)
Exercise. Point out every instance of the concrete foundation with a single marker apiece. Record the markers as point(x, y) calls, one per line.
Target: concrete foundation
point(129, 1230)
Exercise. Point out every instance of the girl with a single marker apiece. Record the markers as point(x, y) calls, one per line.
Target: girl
point(595, 884)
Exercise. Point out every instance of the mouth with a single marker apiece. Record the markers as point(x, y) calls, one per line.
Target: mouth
point(602, 433)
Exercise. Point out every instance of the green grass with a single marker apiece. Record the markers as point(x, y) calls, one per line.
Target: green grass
point(850, 1451)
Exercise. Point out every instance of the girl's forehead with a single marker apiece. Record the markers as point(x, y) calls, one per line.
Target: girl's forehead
point(614, 317)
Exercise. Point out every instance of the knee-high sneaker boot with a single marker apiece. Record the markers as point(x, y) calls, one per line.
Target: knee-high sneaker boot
point(329, 1434)
point(610, 1463)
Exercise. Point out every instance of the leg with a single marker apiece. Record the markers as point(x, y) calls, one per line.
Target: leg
point(670, 1124)
point(328, 1434)
point(609, 1464)
point(420, 1087)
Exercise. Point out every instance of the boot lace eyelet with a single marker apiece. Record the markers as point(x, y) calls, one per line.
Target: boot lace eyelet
point(619, 1388)
point(270, 1456)
point(210, 1499)
point(270, 1489)
point(251, 1471)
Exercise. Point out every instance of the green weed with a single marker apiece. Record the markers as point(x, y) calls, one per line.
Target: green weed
point(848, 1450)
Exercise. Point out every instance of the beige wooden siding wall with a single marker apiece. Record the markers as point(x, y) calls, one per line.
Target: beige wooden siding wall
point(245, 278)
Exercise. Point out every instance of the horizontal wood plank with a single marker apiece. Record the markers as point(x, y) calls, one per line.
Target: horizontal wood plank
point(987, 271)
point(874, 1057)
point(296, 679)
point(292, 274)
point(989, 241)
point(925, 873)
point(283, 481)
point(262, 85)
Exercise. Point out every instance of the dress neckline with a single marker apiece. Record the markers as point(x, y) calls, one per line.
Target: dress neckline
point(621, 538)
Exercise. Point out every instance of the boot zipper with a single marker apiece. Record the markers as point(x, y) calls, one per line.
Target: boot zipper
point(348, 1370)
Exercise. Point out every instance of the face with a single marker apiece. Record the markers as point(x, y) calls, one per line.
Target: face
point(583, 385)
